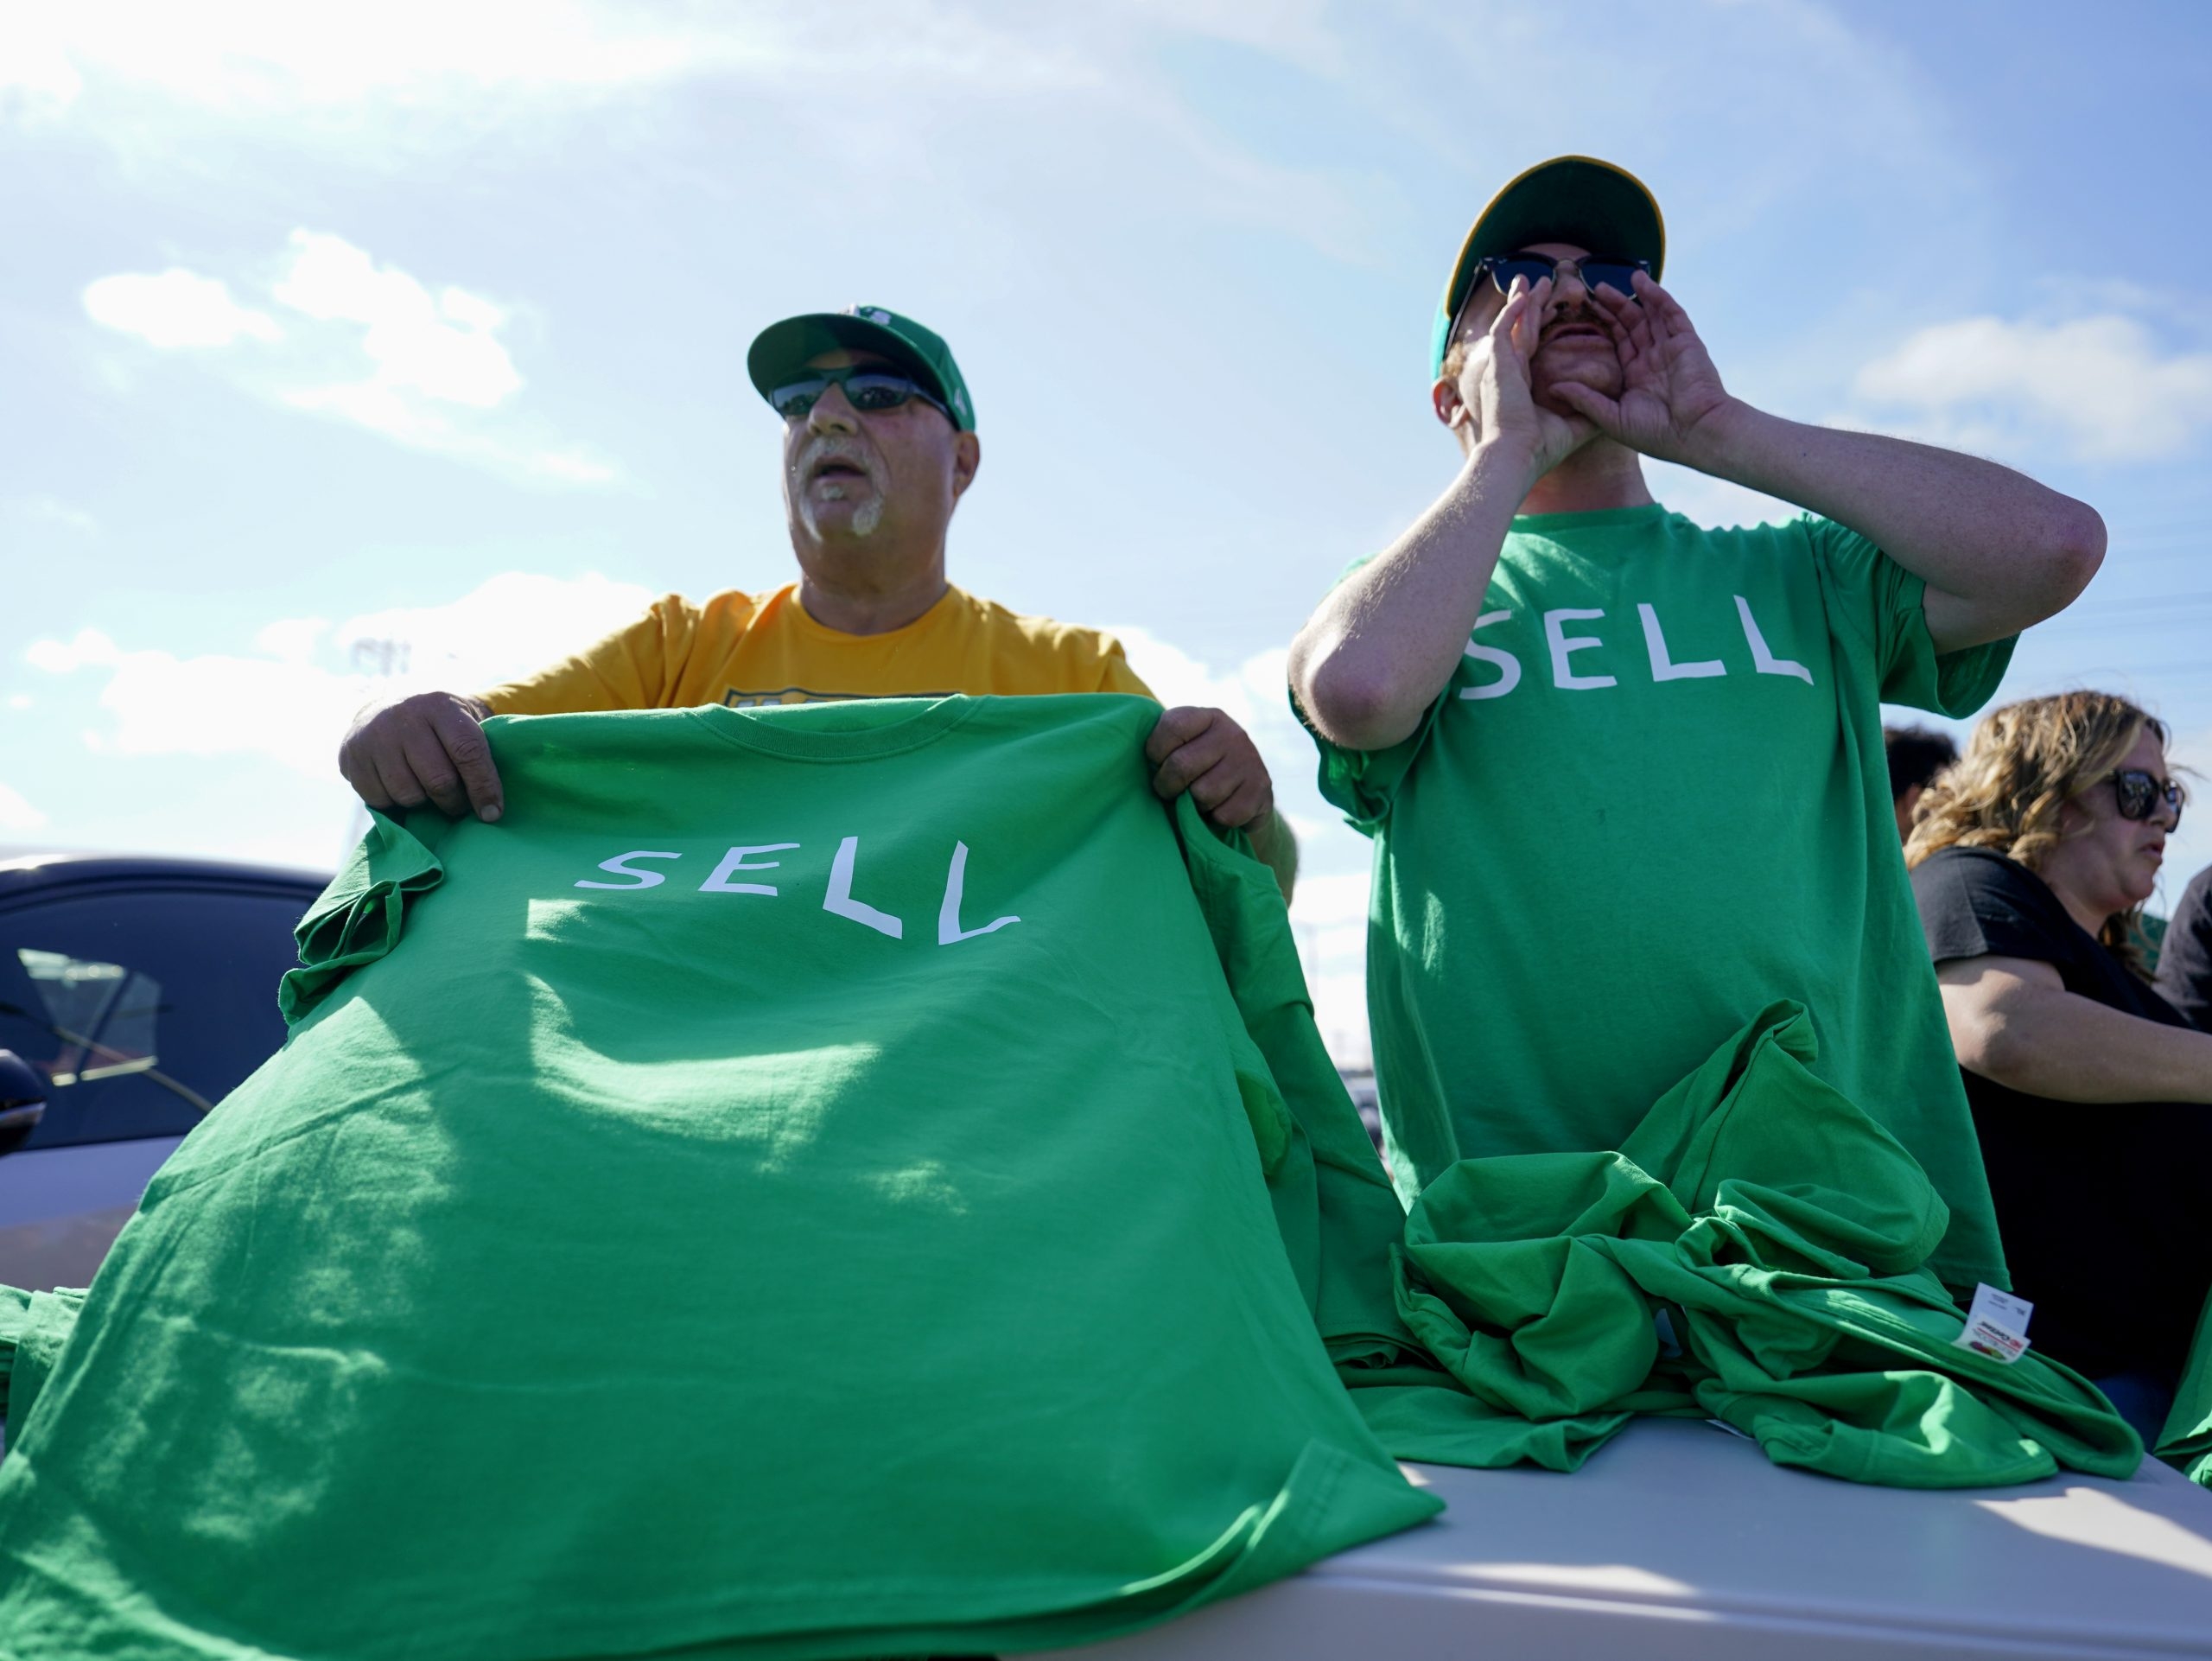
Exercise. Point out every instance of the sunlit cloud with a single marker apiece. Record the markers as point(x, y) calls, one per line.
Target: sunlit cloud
point(422, 76)
point(267, 55)
point(365, 343)
point(2093, 389)
point(1329, 908)
point(442, 347)
point(292, 698)
point(176, 310)
point(15, 813)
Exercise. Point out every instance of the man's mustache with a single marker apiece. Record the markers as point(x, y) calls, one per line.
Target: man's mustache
point(1582, 317)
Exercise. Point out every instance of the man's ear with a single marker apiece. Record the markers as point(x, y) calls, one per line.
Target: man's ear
point(1444, 397)
point(967, 456)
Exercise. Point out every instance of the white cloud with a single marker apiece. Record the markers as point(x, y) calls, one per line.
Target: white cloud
point(2097, 388)
point(291, 639)
point(1705, 499)
point(176, 308)
point(52, 510)
point(374, 347)
point(15, 813)
point(443, 349)
point(257, 56)
point(506, 626)
point(1329, 907)
point(425, 76)
point(246, 59)
point(292, 700)
point(91, 649)
point(1334, 900)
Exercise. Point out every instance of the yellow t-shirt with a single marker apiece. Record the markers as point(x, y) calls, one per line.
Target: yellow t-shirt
point(749, 649)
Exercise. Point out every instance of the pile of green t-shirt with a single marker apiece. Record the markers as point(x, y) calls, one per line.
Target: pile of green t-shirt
point(801, 1185)
point(1755, 1252)
point(2185, 1442)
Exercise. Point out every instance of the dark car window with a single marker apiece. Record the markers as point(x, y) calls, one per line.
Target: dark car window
point(134, 1007)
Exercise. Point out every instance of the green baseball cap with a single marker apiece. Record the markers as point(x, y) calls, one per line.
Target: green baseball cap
point(779, 353)
point(1575, 199)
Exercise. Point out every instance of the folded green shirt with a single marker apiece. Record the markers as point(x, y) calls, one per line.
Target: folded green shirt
point(1755, 1252)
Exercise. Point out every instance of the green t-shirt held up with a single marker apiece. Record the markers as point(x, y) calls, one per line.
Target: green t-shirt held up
point(802, 1185)
point(1651, 801)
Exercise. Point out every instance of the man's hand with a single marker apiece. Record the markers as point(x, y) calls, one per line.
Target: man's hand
point(1203, 751)
point(1494, 397)
point(1672, 405)
point(428, 747)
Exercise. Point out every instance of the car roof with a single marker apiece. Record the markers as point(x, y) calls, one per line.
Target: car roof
point(27, 874)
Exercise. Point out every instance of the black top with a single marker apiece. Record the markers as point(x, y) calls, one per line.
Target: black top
point(2185, 960)
point(2098, 1203)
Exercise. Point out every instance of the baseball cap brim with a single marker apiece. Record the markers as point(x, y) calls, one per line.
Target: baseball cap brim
point(778, 354)
point(1573, 198)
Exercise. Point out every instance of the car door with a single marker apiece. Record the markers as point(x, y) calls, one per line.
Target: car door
point(138, 1006)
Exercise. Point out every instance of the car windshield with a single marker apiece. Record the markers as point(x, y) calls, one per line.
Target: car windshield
point(141, 1010)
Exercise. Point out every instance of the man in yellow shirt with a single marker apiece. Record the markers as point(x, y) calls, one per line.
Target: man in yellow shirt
point(879, 444)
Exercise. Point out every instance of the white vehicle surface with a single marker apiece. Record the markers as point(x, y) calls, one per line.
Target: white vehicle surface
point(1680, 1540)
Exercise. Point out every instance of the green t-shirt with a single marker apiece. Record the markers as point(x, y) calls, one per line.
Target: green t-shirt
point(802, 1184)
point(1651, 801)
point(1752, 1253)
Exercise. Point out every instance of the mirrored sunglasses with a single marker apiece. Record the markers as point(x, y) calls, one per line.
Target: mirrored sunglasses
point(2139, 793)
point(868, 391)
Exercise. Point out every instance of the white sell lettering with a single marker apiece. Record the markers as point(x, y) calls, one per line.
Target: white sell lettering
point(1507, 666)
point(1762, 659)
point(948, 916)
point(1665, 668)
point(840, 898)
point(1563, 643)
point(736, 861)
point(638, 879)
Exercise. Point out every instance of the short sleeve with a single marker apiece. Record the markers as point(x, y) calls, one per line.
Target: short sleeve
point(1365, 783)
point(357, 918)
point(1881, 605)
point(1976, 905)
point(2185, 959)
point(633, 668)
point(1116, 676)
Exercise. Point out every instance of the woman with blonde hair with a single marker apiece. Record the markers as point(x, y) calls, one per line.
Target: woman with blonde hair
point(2032, 858)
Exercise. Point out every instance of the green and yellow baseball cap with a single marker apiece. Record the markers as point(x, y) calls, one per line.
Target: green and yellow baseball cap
point(780, 352)
point(1575, 199)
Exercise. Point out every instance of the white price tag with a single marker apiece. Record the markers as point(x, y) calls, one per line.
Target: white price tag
point(1997, 1326)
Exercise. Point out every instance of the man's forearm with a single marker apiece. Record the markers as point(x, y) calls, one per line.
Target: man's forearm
point(1998, 551)
point(2058, 1044)
point(1374, 656)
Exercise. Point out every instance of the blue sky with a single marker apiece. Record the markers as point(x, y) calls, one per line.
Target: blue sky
point(414, 343)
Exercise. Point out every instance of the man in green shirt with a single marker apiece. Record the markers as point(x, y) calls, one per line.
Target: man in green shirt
point(1625, 775)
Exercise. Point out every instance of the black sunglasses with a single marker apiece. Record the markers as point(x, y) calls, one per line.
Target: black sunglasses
point(868, 391)
point(2139, 793)
point(1618, 274)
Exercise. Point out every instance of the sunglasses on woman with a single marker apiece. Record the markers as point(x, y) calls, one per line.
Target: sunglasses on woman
point(2140, 792)
point(868, 391)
